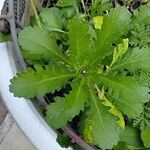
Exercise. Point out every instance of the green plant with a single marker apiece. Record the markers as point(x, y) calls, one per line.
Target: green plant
point(101, 68)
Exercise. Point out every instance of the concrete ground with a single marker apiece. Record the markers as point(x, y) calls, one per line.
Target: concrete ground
point(15, 140)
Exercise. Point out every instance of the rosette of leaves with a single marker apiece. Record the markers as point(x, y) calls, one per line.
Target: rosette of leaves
point(102, 95)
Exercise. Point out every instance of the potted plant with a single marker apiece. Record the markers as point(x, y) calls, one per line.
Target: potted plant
point(90, 61)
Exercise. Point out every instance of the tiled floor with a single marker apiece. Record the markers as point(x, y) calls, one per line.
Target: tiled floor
point(15, 140)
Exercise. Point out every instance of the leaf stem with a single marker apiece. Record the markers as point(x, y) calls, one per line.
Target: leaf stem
point(36, 13)
point(57, 30)
point(75, 138)
point(83, 4)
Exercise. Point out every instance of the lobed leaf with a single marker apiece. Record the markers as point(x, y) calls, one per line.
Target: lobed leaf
point(128, 93)
point(114, 26)
point(119, 51)
point(105, 131)
point(38, 45)
point(142, 16)
point(33, 83)
point(67, 107)
point(52, 18)
point(134, 60)
point(56, 116)
point(143, 120)
point(80, 41)
point(77, 98)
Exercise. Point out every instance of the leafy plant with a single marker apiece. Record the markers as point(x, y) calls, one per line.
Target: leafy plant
point(143, 120)
point(140, 33)
point(103, 93)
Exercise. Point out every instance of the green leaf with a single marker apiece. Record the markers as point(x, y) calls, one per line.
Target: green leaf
point(105, 130)
point(114, 26)
point(80, 41)
point(128, 93)
point(131, 137)
point(63, 140)
point(113, 110)
point(33, 83)
point(67, 107)
point(68, 12)
point(39, 45)
point(66, 3)
point(85, 129)
point(119, 51)
point(52, 19)
point(134, 60)
point(140, 36)
point(74, 102)
point(98, 21)
point(145, 135)
point(143, 120)
point(142, 16)
point(56, 116)
point(5, 37)
point(121, 146)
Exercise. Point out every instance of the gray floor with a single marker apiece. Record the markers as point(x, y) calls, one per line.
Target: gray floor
point(15, 140)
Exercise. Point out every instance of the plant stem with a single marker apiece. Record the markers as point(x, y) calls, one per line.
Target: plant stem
point(76, 138)
point(35, 12)
point(83, 6)
point(61, 31)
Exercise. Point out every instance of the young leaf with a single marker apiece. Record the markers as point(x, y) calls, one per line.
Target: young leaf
point(98, 21)
point(39, 45)
point(140, 36)
point(52, 19)
point(127, 92)
point(71, 106)
point(145, 135)
point(143, 120)
point(105, 130)
point(134, 60)
point(32, 83)
point(114, 26)
point(80, 41)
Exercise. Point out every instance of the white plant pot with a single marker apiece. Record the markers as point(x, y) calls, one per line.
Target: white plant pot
point(24, 112)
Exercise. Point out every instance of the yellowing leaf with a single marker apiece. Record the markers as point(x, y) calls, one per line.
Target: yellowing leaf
point(86, 130)
point(98, 21)
point(119, 51)
point(113, 110)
